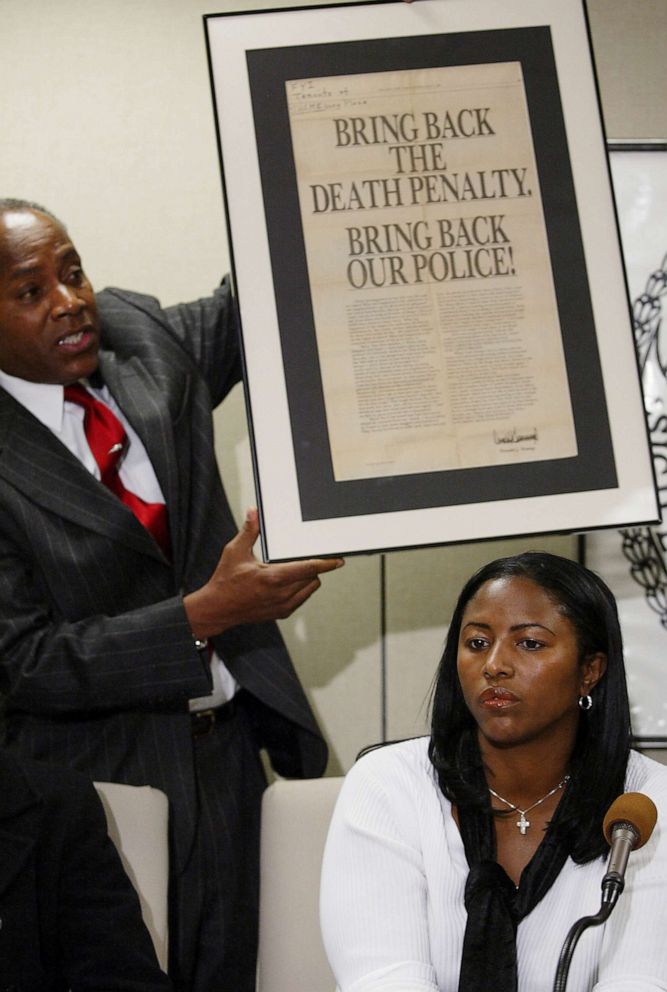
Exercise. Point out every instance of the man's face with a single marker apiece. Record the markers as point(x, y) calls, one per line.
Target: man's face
point(49, 329)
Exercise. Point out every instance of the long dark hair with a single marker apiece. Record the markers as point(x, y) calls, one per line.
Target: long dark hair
point(604, 735)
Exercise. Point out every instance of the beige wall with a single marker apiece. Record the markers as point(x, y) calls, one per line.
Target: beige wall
point(107, 119)
point(629, 43)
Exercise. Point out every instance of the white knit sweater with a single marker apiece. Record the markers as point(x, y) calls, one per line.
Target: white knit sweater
point(393, 877)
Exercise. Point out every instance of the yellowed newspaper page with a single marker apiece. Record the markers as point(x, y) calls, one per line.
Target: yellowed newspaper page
point(435, 313)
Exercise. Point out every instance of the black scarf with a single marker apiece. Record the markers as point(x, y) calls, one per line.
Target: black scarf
point(494, 905)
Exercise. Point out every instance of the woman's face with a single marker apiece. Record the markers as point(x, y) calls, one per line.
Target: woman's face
point(518, 664)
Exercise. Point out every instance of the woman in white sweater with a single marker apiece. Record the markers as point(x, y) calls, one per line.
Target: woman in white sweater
point(460, 861)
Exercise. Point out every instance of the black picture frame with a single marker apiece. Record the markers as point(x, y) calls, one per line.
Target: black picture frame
point(633, 560)
point(305, 510)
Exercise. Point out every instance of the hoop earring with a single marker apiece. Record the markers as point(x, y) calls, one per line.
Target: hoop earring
point(585, 702)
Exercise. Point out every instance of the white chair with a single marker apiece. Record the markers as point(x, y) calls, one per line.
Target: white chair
point(137, 818)
point(295, 821)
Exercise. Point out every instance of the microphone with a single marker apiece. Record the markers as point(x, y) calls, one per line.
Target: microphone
point(627, 826)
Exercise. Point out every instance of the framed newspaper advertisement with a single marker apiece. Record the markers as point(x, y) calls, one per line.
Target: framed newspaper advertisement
point(434, 317)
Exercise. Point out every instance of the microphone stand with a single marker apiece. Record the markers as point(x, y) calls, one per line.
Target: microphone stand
point(612, 886)
point(628, 824)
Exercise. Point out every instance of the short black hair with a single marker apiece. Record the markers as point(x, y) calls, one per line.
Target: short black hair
point(9, 204)
point(604, 736)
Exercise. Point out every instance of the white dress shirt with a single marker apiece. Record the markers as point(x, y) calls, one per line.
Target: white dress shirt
point(64, 419)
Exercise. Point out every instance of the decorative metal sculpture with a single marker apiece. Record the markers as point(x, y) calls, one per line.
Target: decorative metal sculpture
point(646, 547)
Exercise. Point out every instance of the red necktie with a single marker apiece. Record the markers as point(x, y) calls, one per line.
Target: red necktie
point(107, 440)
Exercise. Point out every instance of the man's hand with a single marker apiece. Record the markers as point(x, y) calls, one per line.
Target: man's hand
point(243, 590)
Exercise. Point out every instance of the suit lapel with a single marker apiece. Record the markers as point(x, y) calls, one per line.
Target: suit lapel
point(35, 462)
point(143, 403)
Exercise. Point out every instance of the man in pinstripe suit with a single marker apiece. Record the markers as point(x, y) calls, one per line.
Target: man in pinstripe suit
point(133, 664)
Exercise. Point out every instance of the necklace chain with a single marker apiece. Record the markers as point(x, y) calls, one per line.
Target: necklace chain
point(523, 824)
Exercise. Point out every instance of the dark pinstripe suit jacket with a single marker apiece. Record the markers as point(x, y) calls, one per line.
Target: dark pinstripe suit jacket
point(96, 657)
point(63, 889)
